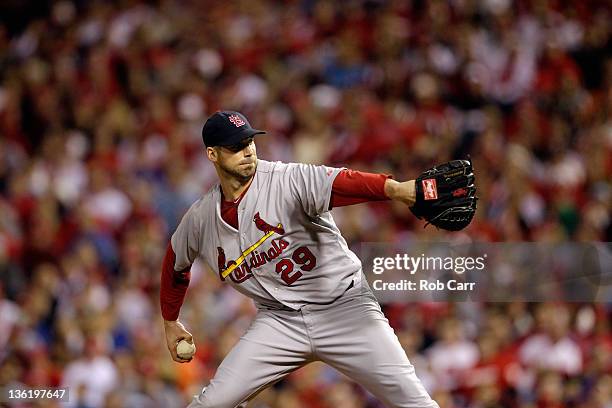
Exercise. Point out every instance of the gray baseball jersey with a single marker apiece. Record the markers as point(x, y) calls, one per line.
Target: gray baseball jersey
point(287, 251)
point(313, 301)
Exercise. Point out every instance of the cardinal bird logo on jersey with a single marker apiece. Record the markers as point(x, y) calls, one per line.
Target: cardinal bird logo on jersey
point(265, 227)
point(240, 269)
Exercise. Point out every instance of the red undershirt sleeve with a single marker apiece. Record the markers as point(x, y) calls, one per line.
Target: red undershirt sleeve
point(354, 187)
point(174, 286)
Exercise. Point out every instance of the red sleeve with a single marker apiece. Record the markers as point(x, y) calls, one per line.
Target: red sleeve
point(173, 286)
point(354, 187)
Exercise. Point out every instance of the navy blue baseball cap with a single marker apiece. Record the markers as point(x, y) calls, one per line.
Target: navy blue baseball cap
point(226, 128)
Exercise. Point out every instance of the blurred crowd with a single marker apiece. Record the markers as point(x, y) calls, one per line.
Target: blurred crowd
point(101, 108)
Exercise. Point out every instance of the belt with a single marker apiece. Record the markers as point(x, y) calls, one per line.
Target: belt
point(288, 309)
point(333, 301)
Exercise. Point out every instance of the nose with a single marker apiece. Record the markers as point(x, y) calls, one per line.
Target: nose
point(249, 149)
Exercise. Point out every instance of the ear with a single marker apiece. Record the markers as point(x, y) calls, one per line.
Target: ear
point(212, 154)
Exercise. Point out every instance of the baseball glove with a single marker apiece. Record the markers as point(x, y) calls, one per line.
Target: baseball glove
point(446, 195)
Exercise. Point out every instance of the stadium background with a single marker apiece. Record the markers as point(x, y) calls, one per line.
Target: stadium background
point(101, 106)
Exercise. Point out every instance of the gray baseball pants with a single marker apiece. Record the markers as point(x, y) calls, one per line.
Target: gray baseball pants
point(351, 335)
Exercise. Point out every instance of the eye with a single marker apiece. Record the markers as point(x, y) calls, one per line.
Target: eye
point(239, 146)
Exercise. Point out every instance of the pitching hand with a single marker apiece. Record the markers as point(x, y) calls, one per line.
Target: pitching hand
point(175, 332)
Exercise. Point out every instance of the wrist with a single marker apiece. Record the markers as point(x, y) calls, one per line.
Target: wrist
point(390, 188)
point(404, 192)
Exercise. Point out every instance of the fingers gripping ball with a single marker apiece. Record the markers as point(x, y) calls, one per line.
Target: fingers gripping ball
point(446, 195)
point(185, 350)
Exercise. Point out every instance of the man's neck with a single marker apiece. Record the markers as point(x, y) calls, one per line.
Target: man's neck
point(232, 188)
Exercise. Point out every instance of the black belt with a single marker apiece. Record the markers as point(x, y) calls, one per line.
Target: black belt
point(333, 301)
point(288, 309)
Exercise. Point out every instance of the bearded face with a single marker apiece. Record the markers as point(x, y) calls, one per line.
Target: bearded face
point(237, 161)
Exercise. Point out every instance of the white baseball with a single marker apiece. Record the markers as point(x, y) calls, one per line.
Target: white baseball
point(185, 350)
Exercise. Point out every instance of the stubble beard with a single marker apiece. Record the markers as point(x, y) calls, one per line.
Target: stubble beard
point(243, 175)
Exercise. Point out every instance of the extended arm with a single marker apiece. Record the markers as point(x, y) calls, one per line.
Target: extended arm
point(354, 187)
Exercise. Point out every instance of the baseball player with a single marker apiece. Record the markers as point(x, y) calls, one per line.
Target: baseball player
point(266, 229)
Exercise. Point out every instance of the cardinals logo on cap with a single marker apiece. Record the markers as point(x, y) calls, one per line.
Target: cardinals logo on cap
point(236, 120)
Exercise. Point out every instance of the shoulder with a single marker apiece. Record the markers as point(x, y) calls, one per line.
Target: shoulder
point(275, 171)
point(264, 166)
point(204, 204)
point(278, 167)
